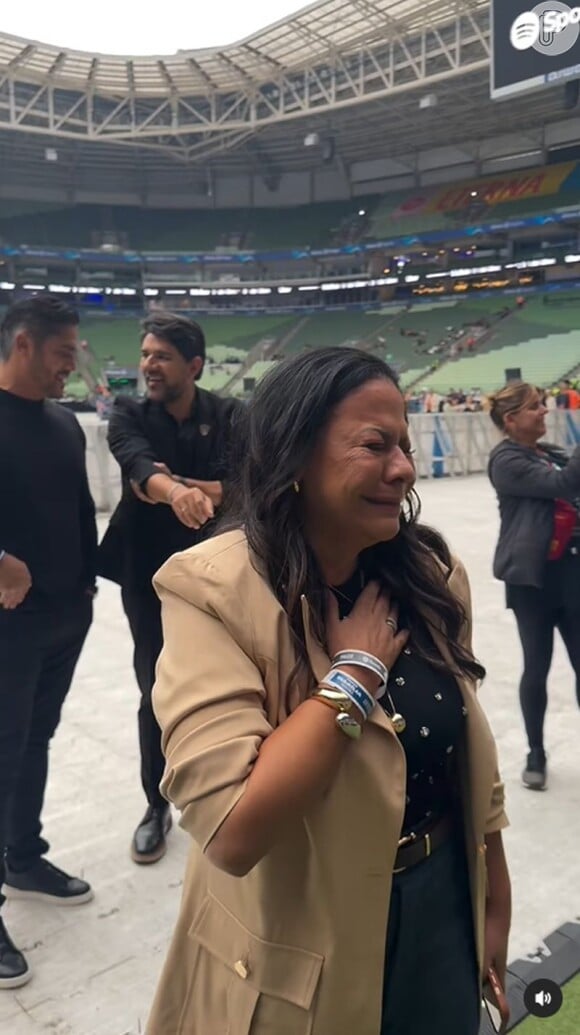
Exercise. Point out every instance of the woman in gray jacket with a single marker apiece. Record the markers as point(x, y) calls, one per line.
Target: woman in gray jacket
point(538, 552)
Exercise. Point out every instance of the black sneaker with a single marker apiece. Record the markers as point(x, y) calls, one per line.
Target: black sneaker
point(46, 883)
point(149, 840)
point(14, 970)
point(534, 775)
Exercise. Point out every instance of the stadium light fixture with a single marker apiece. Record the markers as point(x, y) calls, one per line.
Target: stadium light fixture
point(474, 271)
point(60, 289)
point(34, 287)
point(572, 258)
point(6, 286)
point(175, 291)
point(284, 290)
point(530, 264)
point(362, 212)
point(151, 292)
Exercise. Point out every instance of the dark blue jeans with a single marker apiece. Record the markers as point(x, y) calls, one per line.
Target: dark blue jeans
point(431, 975)
point(39, 649)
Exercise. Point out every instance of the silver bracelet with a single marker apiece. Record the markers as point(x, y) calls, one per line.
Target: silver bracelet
point(360, 659)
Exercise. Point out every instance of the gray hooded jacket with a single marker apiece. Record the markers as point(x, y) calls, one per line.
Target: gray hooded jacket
point(526, 488)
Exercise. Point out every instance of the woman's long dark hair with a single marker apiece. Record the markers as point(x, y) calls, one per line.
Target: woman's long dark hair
point(273, 442)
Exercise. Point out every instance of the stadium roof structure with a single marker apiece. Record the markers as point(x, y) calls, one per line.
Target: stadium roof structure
point(349, 73)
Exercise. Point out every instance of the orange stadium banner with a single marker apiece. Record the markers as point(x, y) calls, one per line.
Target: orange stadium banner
point(496, 190)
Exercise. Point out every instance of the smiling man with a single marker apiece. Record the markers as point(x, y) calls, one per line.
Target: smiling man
point(48, 544)
point(172, 449)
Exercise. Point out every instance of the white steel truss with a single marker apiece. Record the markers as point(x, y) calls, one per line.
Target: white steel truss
point(332, 56)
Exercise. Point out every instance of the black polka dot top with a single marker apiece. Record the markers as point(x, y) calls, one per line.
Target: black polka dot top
point(430, 701)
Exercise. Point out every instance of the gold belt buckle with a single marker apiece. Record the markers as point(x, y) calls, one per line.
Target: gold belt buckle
point(403, 842)
point(408, 840)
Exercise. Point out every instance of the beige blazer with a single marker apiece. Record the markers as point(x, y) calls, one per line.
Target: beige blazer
point(297, 946)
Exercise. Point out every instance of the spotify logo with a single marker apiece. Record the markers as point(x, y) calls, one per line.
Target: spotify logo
point(525, 31)
point(551, 28)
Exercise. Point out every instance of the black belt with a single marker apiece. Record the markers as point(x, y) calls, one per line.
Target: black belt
point(415, 848)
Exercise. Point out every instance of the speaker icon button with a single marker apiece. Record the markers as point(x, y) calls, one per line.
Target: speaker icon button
point(543, 998)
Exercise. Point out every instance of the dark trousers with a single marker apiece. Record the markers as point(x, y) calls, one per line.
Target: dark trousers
point(539, 612)
point(143, 611)
point(431, 974)
point(39, 649)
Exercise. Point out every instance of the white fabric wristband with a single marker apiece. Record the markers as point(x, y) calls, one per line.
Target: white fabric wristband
point(361, 659)
point(358, 694)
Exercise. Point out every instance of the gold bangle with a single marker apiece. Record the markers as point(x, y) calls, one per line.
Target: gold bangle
point(338, 700)
point(343, 719)
point(329, 704)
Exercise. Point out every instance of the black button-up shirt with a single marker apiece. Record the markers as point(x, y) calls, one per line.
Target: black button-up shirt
point(141, 537)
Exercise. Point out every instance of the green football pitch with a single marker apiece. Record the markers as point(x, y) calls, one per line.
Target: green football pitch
point(566, 1021)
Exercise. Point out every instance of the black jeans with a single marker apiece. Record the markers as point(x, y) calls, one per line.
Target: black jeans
point(39, 650)
point(539, 612)
point(431, 974)
point(143, 611)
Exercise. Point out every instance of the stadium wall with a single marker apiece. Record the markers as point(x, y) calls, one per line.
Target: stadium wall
point(447, 445)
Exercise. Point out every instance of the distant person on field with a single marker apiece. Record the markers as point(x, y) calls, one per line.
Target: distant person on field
point(48, 547)
point(568, 398)
point(171, 448)
point(538, 553)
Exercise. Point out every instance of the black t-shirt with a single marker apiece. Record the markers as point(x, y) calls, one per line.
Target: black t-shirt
point(429, 699)
point(47, 515)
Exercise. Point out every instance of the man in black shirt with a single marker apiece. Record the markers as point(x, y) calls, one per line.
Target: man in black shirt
point(48, 544)
point(172, 449)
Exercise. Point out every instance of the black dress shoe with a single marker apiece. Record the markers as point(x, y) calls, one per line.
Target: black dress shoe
point(149, 845)
point(46, 883)
point(14, 970)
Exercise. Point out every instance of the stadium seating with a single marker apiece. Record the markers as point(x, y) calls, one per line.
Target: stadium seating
point(401, 336)
point(542, 361)
point(339, 328)
point(317, 225)
point(175, 230)
point(117, 338)
point(541, 340)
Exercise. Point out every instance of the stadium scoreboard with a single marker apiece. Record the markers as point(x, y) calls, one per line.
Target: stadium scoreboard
point(533, 45)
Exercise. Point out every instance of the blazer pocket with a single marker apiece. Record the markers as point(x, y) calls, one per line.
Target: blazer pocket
point(247, 968)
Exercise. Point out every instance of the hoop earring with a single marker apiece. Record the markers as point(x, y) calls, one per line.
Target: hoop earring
point(296, 488)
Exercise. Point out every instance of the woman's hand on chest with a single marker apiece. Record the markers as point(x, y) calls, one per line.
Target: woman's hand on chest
point(371, 626)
